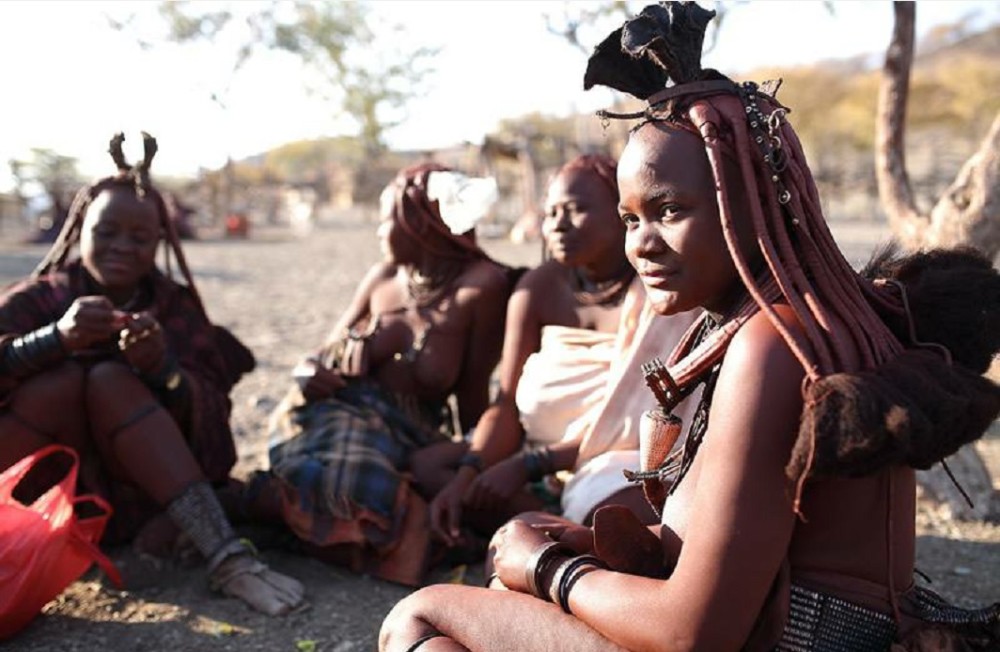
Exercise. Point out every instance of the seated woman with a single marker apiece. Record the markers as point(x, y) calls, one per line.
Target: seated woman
point(576, 327)
point(790, 522)
point(424, 325)
point(111, 357)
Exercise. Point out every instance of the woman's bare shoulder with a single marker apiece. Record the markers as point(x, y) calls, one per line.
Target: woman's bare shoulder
point(760, 374)
point(486, 274)
point(541, 283)
point(758, 340)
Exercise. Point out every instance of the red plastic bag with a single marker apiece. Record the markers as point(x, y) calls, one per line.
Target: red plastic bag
point(45, 546)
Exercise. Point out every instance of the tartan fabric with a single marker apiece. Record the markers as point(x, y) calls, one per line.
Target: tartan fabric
point(33, 303)
point(344, 460)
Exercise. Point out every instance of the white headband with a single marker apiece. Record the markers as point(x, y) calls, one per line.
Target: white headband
point(462, 200)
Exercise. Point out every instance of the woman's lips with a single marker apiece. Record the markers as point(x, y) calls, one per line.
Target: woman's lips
point(659, 278)
point(116, 265)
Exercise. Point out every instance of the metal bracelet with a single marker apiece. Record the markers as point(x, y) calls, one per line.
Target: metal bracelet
point(33, 352)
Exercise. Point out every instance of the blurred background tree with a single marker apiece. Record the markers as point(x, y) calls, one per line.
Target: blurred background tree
point(57, 177)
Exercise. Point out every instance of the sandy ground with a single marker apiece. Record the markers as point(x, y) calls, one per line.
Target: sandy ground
point(280, 292)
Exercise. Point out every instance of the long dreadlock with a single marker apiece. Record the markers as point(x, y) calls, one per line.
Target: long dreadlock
point(136, 179)
point(904, 403)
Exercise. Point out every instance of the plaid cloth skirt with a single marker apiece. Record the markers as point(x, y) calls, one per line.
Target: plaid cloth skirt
point(343, 462)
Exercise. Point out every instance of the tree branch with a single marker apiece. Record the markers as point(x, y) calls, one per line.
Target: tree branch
point(890, 126)
point(969, 210)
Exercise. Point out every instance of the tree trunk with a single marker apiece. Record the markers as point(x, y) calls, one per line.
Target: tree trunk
point(894, 191)
point(969, 210)
point(967, 214)
point(968, 468)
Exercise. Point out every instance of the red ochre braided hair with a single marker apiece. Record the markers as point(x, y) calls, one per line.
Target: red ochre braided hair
point(420, 216)
point(913, 399)
point(136, 179)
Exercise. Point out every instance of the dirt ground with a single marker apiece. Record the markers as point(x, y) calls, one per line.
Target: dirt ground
point(279, 292)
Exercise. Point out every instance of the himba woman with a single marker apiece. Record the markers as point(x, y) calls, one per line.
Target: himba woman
point(789, 523)
point(577, 327)
point(425, 324)
point(108, 355)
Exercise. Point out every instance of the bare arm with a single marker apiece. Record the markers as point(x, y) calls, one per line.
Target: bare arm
point(482, 350)
point(498, 433)
point(360, 304)
point(743, 520)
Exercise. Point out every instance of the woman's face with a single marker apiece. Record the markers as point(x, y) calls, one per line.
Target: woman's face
point(395, 243)
point(673, 233)
point(581, 225)
point(118, 241)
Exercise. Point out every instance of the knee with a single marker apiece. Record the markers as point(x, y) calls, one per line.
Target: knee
point(432, 466)
point(61, 385)
point(112, 381)
point(406, 621)
point(533, 518)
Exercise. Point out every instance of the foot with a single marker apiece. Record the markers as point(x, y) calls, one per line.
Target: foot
point(243, 577)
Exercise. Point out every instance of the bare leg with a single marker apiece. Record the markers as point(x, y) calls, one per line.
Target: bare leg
point(46, 408)
point(480, 620)
point(139, 439)
point(433, 467)
point(142, 442)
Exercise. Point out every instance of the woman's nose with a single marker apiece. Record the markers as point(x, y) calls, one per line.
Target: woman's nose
point(644, 240)
point(122, 242)
point(561, 219)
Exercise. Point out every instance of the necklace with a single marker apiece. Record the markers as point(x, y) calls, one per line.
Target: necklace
point(608, 292)
point(427, 289)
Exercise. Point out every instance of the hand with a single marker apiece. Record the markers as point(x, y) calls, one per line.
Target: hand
point(142, 343)
point(316, 381)
point(497, 485)
point(446, 508)
point(88, 321)
point(514, 543)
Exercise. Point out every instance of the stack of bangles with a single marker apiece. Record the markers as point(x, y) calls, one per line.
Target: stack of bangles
point(550, 572)
point(538, 463)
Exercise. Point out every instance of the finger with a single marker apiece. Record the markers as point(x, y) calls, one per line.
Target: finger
point(436, 520)
point(120, 319)
point(97, 301)
point(455, 519)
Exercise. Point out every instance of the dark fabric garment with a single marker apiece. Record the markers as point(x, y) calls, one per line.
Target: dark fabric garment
point(211, 356)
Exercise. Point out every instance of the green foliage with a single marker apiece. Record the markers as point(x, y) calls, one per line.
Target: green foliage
point(361, 71)
point(56, 173)
point(833, 104)
point(301, 160)
point(185, 27)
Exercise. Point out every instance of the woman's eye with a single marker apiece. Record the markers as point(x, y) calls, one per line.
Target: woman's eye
point(669, 211)
point(630, 219)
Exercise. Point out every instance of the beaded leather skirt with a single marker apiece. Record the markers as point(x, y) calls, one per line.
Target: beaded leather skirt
point(822, 623)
